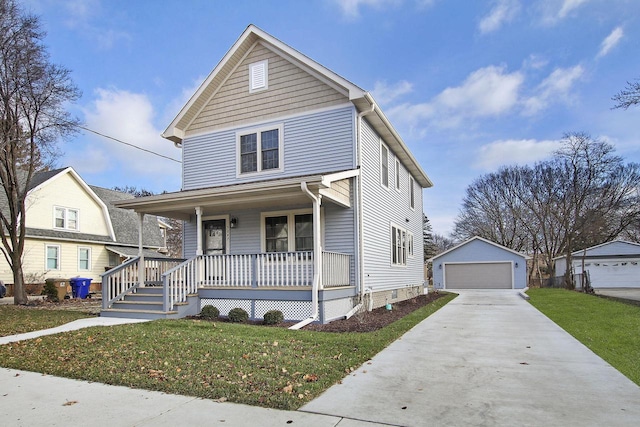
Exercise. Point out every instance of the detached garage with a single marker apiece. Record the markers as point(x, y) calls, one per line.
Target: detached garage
point(479, 264)
point(609, 265)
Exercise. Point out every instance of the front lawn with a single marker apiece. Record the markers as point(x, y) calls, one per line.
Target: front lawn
point(256, 365)
point(18, 319)
point(611, 329)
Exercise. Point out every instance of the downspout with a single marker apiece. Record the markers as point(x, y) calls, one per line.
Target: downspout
point(317, 259)
point(360, 215)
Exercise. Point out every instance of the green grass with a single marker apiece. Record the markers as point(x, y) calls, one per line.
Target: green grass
point(18, 320)
point(256, 365)
point(611, 329)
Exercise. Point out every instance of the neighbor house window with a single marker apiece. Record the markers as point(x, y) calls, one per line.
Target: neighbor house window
point(53, 257)
point(287, 231)
point(397, 175)
point(84, 258)
point(412, 194)
point(260, 150)
point(384, 165)
point(401, 245)
point(259, 76)
point(65, 218)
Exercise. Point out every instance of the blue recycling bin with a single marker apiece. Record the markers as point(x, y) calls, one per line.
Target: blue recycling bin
point(80, 287)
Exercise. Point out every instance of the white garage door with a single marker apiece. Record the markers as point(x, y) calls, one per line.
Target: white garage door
point(613, 274)
point(487, 275)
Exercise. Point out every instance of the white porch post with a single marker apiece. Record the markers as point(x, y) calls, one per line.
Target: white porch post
point(199, 230)
point(141, 269)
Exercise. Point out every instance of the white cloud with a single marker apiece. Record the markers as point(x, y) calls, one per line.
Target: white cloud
point(488, 91)
point(128, 117)
point(512, 151)
point(610, 41)
point(554, 11)
point(557, 86)
point(385, 93)
point(503, 11)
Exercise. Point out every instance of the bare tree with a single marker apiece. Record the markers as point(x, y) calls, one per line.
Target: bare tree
point(629, 96)
point(33, 94)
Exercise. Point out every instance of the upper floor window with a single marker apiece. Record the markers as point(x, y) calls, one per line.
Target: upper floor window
point(384, 165)
point(259, 76)
point(260, 150)
point(65, 218)
point(412, 194)
point(397, 175)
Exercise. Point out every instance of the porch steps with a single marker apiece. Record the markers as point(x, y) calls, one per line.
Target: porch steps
point(146, 303)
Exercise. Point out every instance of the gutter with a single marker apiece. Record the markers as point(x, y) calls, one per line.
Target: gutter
point(317, 259)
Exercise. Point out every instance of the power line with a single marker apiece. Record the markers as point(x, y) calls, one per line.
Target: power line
point(126, 143)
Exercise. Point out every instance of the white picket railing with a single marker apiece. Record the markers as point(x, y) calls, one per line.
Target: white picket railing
point(122, 279)
point(273, 269)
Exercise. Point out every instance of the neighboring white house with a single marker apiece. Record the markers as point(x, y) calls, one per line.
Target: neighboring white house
point(297, 194)
point(479, 264)
point(609, 265)
point(74, 230)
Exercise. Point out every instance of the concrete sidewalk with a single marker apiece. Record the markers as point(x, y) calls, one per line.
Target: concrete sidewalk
point(486, 358)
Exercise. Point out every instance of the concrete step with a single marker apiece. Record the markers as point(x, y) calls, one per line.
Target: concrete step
point(138, 305)
point(139, 314)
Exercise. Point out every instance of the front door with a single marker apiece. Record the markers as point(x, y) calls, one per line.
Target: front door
point(215, 237)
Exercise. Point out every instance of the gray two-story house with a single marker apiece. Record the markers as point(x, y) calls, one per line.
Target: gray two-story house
point(297, 195)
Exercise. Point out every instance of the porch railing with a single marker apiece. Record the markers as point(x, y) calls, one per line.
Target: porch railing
point(124, 278)
point(273, 269)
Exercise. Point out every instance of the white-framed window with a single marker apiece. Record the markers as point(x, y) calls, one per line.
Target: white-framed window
point(384, 165)
point(412, 193)
point(84, 258)
point(52, 254)
point(66, 218)
point(287, 231)
point(401, 245)
point(259, 150)
point(259, 76)
point(397, 175)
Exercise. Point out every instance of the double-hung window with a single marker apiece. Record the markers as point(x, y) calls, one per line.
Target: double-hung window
point(260, 150)
point(401, 245)
point(84, 259)
point(287, 231)
point(65, 218)
point(397, 175)
point(384, 165)
point(412, 194)
point(53, 257)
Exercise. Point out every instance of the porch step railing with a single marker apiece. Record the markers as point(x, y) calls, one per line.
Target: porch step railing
point(124, 278)
point(273, 269)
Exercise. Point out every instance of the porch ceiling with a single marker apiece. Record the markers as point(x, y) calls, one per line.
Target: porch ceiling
point(218, 200)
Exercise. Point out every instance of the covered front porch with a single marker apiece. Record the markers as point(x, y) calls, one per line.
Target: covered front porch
point(257, 246)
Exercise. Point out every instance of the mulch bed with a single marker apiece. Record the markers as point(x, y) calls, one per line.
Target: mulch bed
point(366, 321)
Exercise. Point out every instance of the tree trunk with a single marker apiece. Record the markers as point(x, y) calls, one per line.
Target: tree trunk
point(19, 290)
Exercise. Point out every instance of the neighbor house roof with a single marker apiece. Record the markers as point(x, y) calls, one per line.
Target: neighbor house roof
point(608, 249)
point(362, 100)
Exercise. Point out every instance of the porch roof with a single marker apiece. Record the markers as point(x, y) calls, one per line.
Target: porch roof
point(218, 200)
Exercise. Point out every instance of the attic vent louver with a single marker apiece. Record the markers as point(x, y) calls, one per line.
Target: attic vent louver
point(258, 75)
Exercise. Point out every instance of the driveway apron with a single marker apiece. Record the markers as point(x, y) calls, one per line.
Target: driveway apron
point(486, 358)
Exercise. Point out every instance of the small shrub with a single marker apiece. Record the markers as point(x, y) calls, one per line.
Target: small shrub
point(238, 315)
point(50, 291)
point(209, 312)
point(273, 317)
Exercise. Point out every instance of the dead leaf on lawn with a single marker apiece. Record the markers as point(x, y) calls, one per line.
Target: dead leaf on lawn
point(221, 400)
point(70, 403)
point(288, 388)
point(310, 378)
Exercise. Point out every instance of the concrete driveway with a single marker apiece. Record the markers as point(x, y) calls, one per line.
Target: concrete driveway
point(486, 358)
point(631, 294)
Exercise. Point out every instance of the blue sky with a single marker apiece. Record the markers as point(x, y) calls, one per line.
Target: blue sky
point(469, 85)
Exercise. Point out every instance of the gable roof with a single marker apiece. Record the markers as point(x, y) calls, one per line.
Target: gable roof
point(482, 240)
point(362, 100)
point(612, 249)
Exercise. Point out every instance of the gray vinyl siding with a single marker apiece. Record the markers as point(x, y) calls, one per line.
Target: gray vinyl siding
point(383, 207)
point(290, 90)
point(340, 231)
point(319, 142)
